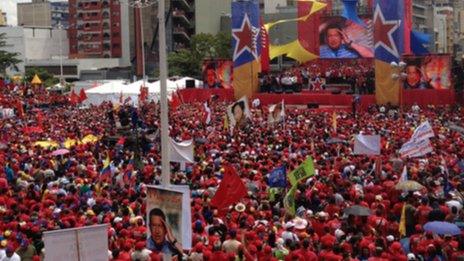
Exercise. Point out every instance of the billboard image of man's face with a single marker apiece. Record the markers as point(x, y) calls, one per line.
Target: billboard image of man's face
point(342, 38)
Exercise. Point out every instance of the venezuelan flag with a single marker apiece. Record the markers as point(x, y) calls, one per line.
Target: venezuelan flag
point(389, 43)
point(246, 44)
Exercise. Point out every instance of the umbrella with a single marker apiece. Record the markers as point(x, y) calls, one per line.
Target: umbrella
point(409, 185)
point(335, 141)
point(60, 152)
point(442, 228)
point(357, 210)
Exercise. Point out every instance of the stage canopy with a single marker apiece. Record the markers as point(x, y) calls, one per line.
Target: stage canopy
point(117, 91)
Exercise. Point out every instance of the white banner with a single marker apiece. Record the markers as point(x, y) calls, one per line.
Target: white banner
point(86, 243)
point(416, 148)
point(367, 144)
point(181, 152)
point(423, 131)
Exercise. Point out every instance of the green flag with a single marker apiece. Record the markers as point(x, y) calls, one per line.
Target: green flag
point(305, 170)
point(272, 192)
point(289, 201)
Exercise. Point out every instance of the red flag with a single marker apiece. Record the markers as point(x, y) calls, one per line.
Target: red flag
point(73, 98)
point(264, 48)
point(143, 93)
point(230, 191)
point(82, 96)
point(20, 109)
point(175, 101)
point(407, 26)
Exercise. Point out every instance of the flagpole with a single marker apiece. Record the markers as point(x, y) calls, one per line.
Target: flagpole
point(165, 169)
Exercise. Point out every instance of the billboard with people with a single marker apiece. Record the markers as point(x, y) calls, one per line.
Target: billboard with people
point(427, 72)
point(342, 38)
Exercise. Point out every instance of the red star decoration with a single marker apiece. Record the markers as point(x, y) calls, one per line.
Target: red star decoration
point(383, 30)
point(244, 37)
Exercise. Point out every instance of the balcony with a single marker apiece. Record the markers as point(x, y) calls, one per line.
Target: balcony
point(179, 15)
point(86, 6)
point(182, 4)
point(180, 33)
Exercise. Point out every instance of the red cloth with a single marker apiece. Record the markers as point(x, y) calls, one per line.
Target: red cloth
point(230, 191)
point(82, 96)
point(264, 48)
point(73, 98)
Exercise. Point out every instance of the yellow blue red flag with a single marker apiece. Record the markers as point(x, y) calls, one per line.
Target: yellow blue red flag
point(246, 44)
point(389, 24)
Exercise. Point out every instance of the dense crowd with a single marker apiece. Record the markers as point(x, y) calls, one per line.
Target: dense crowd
point(41, 192)
point(358, 75)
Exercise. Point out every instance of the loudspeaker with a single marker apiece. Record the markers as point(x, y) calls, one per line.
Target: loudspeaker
point(313, 105)
point(189, 83)
point(336, 91)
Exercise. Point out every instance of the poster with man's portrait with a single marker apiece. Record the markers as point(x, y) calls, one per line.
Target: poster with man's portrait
point(343, 38)
point(164, 220)
point(238, 113)
point(427, 72)
point(276, 113)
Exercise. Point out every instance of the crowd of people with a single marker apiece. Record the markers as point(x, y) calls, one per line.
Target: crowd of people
point(41, 192)
point(358, 75)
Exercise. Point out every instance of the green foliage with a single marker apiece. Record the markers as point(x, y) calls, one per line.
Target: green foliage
point(47, 78)
point(188, 62)
point(7, 59)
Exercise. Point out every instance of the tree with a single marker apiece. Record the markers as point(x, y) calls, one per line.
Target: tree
point(47, 78)
point(7, 59)
point(188, 62)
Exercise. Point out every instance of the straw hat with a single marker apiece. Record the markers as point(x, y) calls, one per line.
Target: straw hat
point(240, 207)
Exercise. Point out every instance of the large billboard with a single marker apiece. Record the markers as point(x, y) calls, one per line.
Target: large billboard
point(169, 215)
point(342, 38)
point(427, 72)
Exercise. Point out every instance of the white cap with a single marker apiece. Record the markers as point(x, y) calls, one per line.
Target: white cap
point(289, 224)
point(339, 233)
point(390, 238)
point(411, 256)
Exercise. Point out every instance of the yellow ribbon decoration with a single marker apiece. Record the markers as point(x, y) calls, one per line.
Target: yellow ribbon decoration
point(294, 49)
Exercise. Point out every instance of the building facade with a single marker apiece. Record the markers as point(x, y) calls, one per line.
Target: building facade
point(180, 27)
point(95, 29)
point(35, 14)
point(3, 20)
point(59, 14)
point(445, 29)
point(208, 15)
point(34, 44)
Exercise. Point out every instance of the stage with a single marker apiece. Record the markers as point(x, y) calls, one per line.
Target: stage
point(325, 99)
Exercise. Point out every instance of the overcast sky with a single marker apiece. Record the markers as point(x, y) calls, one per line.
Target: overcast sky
point(9, 6)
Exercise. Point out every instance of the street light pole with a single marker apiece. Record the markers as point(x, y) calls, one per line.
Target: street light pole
point(61, 54)
point(143, 43)
point(165, 168)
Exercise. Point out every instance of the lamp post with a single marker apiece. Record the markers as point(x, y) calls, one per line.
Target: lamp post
point(165, 168)
point(399, 74)
point(60, 26)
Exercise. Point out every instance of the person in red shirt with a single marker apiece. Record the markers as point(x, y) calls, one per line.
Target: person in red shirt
point(305, 252)
point(423, 211)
